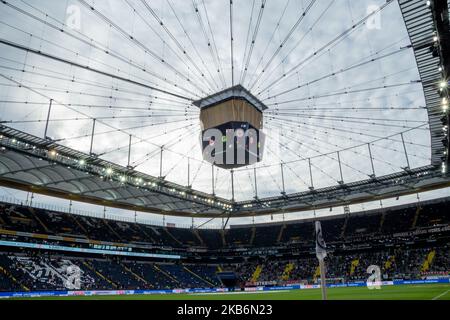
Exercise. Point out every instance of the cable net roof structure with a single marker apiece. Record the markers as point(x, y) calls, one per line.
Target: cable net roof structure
point(116, 81)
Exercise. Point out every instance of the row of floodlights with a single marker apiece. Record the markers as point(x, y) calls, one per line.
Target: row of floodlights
point(443, 86)
point(443, 91)
point(109, 172)
point(250, 205)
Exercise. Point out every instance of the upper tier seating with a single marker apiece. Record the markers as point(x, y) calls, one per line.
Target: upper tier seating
point(335, 229)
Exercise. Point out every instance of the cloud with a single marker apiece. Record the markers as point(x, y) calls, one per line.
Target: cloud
point(337, 113)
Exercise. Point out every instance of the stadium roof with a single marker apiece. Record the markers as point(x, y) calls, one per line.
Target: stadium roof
point(352, 113)
point(38, 165)
point(237, 92)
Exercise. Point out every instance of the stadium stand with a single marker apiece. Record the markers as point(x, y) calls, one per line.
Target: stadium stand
point(212, 238)
point(407, 242)
point(298, 232)
point(238, 236)
point(267, 236)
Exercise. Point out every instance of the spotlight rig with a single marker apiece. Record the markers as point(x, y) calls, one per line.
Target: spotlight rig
point(440, 48)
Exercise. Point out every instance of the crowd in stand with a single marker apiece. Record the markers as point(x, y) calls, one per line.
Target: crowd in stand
point(37, 271)
point(401, 263)
point(381, 223)
point(355, 242)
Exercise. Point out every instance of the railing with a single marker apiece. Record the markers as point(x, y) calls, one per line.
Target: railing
point(92, 214)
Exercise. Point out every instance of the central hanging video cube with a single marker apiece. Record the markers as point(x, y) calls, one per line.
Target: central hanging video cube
point(232, 123)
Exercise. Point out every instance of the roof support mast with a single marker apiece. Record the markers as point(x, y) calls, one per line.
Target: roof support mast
point(48, 118)
point(92, 136)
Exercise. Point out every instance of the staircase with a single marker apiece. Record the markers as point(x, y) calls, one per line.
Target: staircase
point(89, 266)
point(198, 276)
point(256, 273)
point(111, 229)
point(147, 236)
point(197, 235)
point(135, 275)
point(383, 217)
point(355, 263)
point(82, 228)
point(316, 274)
point(280, 234)
point(252, 238)
point(287, 271)
point(344, 227)
point(428, 261)
point(165, 273)
point(171, 235)
point(389, 262)
point(39, 220)
point(222, 234)
point(13, 279)
point(416, 217)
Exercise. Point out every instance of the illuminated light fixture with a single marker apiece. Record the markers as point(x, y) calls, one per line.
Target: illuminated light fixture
point(109, 171)
point(52, 153)
point(443, 84)
point(81, 162)
point(444, 167)
point(435, 38)
point(13, 140)
point(123, 179)
point(428, 3)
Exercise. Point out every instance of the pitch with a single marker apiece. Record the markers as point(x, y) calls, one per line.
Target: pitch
point(405, 292)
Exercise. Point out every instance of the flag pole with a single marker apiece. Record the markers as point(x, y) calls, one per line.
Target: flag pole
point(321, 253)
point(323, 282)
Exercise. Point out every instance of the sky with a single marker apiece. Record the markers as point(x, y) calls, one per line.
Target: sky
point(329, 87)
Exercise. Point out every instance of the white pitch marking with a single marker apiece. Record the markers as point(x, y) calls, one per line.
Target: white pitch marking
point(236, 292)
point(441, 295)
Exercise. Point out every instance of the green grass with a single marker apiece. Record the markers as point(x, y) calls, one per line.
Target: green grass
point(406, 292)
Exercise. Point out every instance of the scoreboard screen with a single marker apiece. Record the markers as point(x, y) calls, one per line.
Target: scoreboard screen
point(233, 145)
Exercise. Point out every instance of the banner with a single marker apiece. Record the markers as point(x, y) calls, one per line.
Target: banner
point(206, 290)
point(86, 250)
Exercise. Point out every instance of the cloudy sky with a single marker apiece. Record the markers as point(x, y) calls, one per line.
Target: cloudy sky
point(329, 87)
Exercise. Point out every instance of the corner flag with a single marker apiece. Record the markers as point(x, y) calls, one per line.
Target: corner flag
point(321, 247)
point(321, 253)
